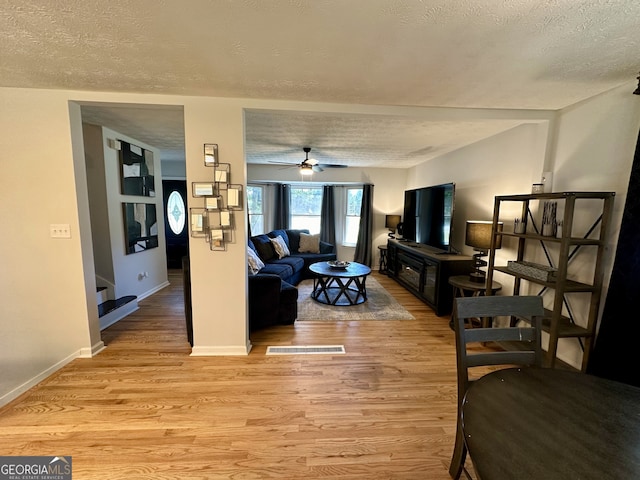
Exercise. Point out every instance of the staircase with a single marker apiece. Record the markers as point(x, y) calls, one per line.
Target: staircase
point(110, 311)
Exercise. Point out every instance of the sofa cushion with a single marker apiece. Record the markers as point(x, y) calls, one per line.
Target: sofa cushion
point(283, 270)
point(280, 246)
point(262, 244)
point(253, 261)
point(295, 262)
point(294, 239)
point(309, 243)
point(310, 258)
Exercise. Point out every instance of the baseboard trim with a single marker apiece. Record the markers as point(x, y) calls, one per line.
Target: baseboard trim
point(32, 382)
point(229, 350)
point(118, 314)
point(155, 289)
point(93, 351)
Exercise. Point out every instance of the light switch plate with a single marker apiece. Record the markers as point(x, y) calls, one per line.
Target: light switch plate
point(60, 230)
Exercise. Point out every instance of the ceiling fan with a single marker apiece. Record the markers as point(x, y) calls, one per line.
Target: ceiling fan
point(310, 165)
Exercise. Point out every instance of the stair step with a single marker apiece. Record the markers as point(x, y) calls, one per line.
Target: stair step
point(111, 305)
point(102, 295)
point(112, 311)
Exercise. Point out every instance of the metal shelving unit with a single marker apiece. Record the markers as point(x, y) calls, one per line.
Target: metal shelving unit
point(559, 321)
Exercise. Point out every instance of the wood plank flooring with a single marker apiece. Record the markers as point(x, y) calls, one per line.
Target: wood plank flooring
point(145, 409)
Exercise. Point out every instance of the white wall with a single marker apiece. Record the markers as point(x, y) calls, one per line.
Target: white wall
point(505, 164)
point(594, 152)
point(98, 206)
point(174, 170)
point(128, 268)
point(123, 271)
point(45, 315)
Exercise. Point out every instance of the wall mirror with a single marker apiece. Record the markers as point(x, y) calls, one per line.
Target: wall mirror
point(140, 227)
point(136, 170)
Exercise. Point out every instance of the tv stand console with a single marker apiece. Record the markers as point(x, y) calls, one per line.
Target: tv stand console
point(425, 272)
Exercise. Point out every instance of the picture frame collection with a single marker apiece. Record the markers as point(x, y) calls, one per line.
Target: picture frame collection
point(215, 220)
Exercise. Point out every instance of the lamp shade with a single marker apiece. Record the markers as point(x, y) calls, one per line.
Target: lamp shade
point(391, 221)
point(478, 234)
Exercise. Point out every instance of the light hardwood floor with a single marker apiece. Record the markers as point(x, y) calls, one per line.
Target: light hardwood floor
point(145, 409)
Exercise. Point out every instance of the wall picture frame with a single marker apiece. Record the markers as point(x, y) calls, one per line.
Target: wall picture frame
point(216, 240)
point(210, 154)
point(222, 174)
point(213, 203)
point(203, 189)
point(235, 196)
point(136, 170)
point(199, 221)
point(140, 226)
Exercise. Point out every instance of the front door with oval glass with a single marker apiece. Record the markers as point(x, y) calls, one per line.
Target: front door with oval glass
point(176, 228)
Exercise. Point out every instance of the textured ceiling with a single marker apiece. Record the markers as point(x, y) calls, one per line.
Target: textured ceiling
point(520, 54)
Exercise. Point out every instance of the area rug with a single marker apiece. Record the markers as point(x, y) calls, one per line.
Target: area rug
point(380, 305)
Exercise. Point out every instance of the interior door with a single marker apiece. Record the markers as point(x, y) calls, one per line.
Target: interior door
point(175, 221)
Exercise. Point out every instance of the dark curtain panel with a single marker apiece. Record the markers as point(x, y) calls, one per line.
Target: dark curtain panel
point(615, 351)
point(363, 252)
point(328, 216)
point(281, 220)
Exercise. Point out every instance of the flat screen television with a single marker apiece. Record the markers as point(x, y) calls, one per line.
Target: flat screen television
point(428, 213)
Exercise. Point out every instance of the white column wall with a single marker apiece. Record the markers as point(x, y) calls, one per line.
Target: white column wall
point(218, 279)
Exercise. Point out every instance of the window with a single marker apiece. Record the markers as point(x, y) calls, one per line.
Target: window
point(176, 215)
point(305, 207)
point(352, 216)
point(255, 207)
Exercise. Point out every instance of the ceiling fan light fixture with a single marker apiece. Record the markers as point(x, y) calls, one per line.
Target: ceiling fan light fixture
point(306, 170)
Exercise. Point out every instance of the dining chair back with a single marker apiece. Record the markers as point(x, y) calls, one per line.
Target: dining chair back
point(518, 345)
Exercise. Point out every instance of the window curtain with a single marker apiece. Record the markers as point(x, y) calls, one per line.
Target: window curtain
point(283, 196)
point(328, 216)
point(363, 252)
point(614, 354)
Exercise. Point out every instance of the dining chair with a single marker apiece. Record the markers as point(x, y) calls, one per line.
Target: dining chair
point(518, 345)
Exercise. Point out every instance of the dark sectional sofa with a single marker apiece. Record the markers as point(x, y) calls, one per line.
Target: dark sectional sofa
point(273, 296)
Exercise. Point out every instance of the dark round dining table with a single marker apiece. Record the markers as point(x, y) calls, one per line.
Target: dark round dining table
point(546, 424)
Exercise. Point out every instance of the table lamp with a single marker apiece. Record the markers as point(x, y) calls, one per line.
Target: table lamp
point(391, 222)
point(478, 236)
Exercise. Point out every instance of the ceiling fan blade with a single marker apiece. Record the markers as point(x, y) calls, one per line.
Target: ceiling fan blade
point(317, 168)
point(282, 163)
point(311, 161)
point(331, 165)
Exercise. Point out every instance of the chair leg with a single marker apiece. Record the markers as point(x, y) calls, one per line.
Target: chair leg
point(459, 456)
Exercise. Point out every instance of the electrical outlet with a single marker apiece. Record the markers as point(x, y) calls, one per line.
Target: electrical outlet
point(60, 230)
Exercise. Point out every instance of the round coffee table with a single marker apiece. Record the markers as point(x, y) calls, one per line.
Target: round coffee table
point(339, 286)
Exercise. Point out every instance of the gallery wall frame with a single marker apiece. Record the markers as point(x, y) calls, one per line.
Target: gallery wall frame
point(140, 226)
point(215, 220)
point(136, 170)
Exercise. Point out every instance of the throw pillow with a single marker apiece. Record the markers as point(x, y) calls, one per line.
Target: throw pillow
point(280, 247)
point(263, 247)
point(309, 243)
point(255, 264)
